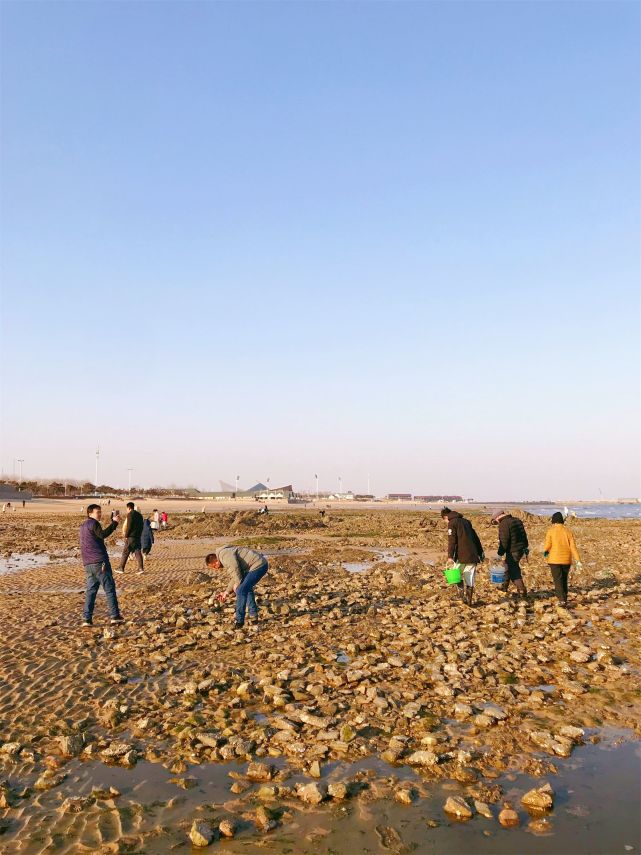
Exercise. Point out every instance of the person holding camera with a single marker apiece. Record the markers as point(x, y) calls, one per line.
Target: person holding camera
point(95, 560)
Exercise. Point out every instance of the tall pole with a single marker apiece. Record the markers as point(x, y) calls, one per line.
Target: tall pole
point(97, 459)
point(130, 471)
point(20, 462)
point(368, 489)
point(316, 476)
point(340, 484)
point(237, 480)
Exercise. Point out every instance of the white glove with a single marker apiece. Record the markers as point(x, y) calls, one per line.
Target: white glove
point(578, 565)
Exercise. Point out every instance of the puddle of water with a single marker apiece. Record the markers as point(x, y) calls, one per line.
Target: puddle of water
point(356, 566)
point(18, 561)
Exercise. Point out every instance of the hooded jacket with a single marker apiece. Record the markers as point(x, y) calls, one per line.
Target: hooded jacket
point(463, 544)
point(512, 537)
point(147, 538)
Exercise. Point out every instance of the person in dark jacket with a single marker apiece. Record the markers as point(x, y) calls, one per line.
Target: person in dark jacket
point(147, 538)
point(95, 559)
point(463, 547)
point(133, 532)
point(513, 544)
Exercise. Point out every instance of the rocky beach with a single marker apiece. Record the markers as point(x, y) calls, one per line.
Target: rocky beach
point(369, 710)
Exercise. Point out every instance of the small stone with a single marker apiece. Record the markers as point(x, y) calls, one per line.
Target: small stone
point(404, 796)
point(315, 769)
point(483, 809)
point(227, 828)
point(260, 772)
point(508, 817)
point(423, 758)
point(347, 733)
point(540, 798)
point(264, 819)
point(337, 790)
point(458, 807)
point(48, 780)
point(576, 734)
point(201, 834)
point(71, 746)
point(312, 794)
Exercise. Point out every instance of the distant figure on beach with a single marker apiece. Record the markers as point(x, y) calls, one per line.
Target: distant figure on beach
point(560, 551)
point(132, 531)
point(463, 547)
point(513, 544)
point(23, 503)
point(245, 568)
point(164, 520)
point(147, 538)
point(155, 520)
point(95, 560)
point(6, 507)
point(263, 510)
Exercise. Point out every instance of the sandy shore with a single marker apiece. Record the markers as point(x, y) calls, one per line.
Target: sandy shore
point(344, 722)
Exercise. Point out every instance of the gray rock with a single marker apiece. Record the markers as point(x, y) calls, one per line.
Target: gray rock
point(201, 834)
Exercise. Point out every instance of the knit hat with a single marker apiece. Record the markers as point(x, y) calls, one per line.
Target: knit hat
point(496, 515)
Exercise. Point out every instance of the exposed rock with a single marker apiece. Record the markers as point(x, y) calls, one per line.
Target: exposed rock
point(72, 745)
point(423, 758)
point(227, 828)
point(201, 834)
point(540, 798)
point(508, 817)
point(458, 807)
point(313, 793)
point(260, 772)
point(337, 790)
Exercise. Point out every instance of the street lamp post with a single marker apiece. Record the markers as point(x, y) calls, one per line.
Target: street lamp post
point(340, 484)
point(316, 476)
point(97, 459)
point(129, 471)
point(20, 462)
point(368, 489)
point(237, 480)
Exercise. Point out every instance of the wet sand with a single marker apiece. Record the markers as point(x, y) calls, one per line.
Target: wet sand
point(365, 671)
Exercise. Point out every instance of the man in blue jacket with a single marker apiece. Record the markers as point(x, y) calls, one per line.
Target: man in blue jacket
point(96, 563)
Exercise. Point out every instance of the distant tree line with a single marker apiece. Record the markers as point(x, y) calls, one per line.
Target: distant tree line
point(43, 488)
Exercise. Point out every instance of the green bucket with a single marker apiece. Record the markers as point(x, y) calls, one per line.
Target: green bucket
point(453, 574)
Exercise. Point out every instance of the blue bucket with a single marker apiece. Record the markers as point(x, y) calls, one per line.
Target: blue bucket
point(497, 574)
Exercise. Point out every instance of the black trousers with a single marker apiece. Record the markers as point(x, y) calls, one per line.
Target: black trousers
point(560, 574)
point(132, 547)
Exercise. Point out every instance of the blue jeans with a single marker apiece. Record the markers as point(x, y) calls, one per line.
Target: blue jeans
point(245, 598)
point(97, 575)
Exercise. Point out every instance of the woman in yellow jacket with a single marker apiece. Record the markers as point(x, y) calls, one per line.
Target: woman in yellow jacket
point(560, 551)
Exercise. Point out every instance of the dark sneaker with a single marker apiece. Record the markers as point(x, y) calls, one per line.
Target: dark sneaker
point(237, 625)
point(87, 623)
point(253, 618)
point(119, 619)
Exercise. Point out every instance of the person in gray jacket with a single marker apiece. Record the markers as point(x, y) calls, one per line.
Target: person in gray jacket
point(245, 568)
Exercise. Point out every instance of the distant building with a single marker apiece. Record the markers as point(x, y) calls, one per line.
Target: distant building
point(399, 497)
point(438, 498)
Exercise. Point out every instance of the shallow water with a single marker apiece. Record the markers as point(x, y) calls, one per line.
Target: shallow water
point(622, 511)
point(18, 561)
point(596, 811)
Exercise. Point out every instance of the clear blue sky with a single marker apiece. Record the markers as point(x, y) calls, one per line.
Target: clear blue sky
point(347, 238)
